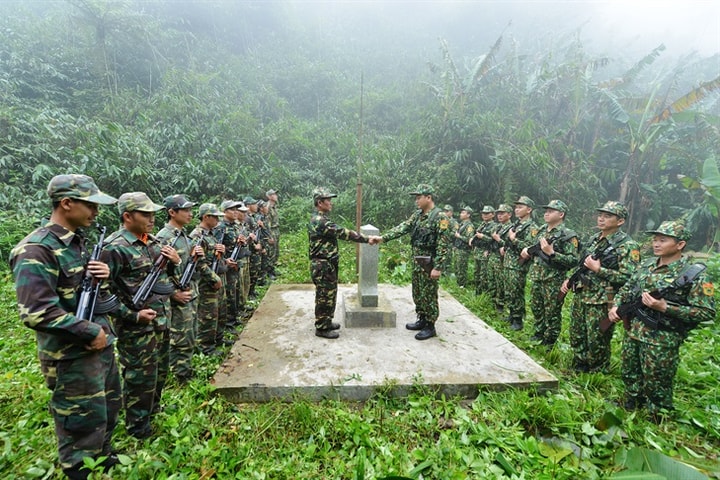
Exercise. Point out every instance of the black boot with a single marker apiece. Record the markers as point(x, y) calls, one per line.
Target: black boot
point(427, 332)
point(417, 325)
point(516, 325)
point(331, 334)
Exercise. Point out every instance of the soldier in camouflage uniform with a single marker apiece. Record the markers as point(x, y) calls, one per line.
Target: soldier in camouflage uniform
point(497, 252)
point(244, 264)
point(210, 283)
point(515, 272)
point(182, 302)
point(558, 254)
point(265, 240)
point(273, 224)
point(143, 338)
point(430, 236)
point(256, 250)
point(606, 263)
point(232, 236)
point(481, 248)
point(449, 211)
point(76, 355)
point(463, 234)
point(323, 235)
point(651, 349)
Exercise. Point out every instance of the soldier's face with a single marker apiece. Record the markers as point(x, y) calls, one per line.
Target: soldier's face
point(231, 214)
point(325, 205)
point(422, 201)
point(139, 222)
point(664, 246)
point(487, 216)
point(464, 215)
point(80, 213)
point(522, 211)
point(553, 217)
point(503, 216)
point(211, 221)
point(608, 222)
point(181, 215)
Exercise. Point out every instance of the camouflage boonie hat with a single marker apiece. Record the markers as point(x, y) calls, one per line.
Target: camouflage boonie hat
point(249, 200)
point(504, 207)
point(270, 192)
point(488, 209)
point(448, 207)
point(137, 202)
point(79, 187)
point(615, 208)
point(468, 210)
point(525, 200)
point(423, 189)
point(671, 229)
point(229, 204)
point(558, 205)
point(177, 202)
point(320, 192)
point(209, 209)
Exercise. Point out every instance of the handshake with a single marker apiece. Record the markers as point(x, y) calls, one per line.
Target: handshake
point(375, 239)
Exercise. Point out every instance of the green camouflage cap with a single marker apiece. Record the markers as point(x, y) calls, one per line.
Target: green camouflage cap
point(524, 200)
point(448, 207)
point(320, 192)
point(488, 209)
point(615, 208)
point(80, 187)
point(558, 205)
point(249, 200)
point(177, 202)
point(209, 209)
point(423, 189)
point(467, 209)
point(270, 192)
point(229, 204)
point(137, 202)
point(671, 229)
point(504, 207)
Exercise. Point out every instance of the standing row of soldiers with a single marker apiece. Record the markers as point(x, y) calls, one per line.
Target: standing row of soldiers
point(160, 300)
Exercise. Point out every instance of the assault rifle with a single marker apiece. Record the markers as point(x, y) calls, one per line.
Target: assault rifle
point(88, 304)
point(536, 250)
point(191, 266)
point(218, 256)
point(606, 260)
point(240, 250)
point(150, 284)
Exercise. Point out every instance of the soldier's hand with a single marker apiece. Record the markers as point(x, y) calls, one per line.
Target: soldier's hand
point(98, 343)
point(435, 274)
point(217, 285)
point(592, 264)
point(182, 296)
point(496, 237)
point(613, 316)
point(524, 253)
point(564, 287)
point(146, 316)
point(658, 304)
point(231, 263)
point(512, 234)
point(98, 269)
point(171, 254)
point(220, 248)
point(198, 251)
point(546, 247)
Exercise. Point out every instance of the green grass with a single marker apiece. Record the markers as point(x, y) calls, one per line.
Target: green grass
point(571, 433)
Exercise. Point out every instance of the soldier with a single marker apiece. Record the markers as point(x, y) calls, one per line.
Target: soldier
point(449, 211)
point(231, 227)
point(182, 302)
point(244, 306)
point(323, 235)
point(143, 339)
point(210, 283)
point(430, 236)
point(77, 357)
point(497, 252)
point(256, 252)
point(515, 272)
point(605, 265)
point(273, 224)
point(662, 321)
point(558, 253)
point(463, 234)
point(481, 248)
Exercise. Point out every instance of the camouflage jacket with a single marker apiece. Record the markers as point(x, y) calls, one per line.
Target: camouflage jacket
point(430, 234)
point(690, 305)
point(232, 232)
point(183, 246)
point(523, 239)
point(207, 276)
point(466, 230)
point(619, 257)
point(323, 235)
point(130, 260)
point(566, 247)
point(273, 219)
point(48, 266)
point(483, 244)
point(501, 229)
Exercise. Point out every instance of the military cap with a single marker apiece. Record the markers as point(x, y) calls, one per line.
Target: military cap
point(242, 207)
point(671, 229)
point(558, 205)
point(525, 200)
point(488, 209)
point(209, 209)
point(468, 210)
point(423, 189)
point(249, 200)
point(176, 202)
point(616, 208)
point(261, 203)
point(137, 202)
point(448, 207)
point(321, 192)
point(270, 192)
point(504, 207)
point(229, 204)
point(79, 187)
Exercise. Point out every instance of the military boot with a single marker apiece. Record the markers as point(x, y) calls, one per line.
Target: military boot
point(331, 334)
point(417, 325)
point(427, 332)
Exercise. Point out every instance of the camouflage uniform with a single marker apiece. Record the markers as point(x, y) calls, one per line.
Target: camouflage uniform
point(48, 267)
point(143, 348)
point(496, 274)
point(515, 272)
point(650, 355)
point(209, 298)
point(466, 230)
point(244, 269)
point(232, 298)
point(481, 252)
point(255, 260)
point(453, 225)
point(430, 235)
point(273, 224)
point(547, 275)
point(323, 235)
point(619, 256)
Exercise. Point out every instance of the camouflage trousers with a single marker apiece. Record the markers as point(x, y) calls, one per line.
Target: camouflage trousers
point(425, 295)
point(461, 266)
point(85, 403)
point(547, 309)
point(232, 297)
point(481, 271)
point(182, 336)
point(648, 372)
point(514, 293)
point(222, 316)
point(274, 250)
point(324, 275)
point(255, 269)
point(244, 283)
point(207, 318)
point(495, 279)
point(591, 347)
point(144, 359)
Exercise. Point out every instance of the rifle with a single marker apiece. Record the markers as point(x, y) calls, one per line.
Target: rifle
point(88, 303)
point(536, 249)
point(636, 309)
point(425, 261)
point(216, 260)
point(191, 266)
point(149, 285)
point(239, 251)
point(605, 260)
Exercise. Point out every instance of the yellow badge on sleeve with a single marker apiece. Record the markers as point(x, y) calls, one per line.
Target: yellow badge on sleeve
point(444, 224)
point(575, 242)
point(635, 255)
point(708, 289)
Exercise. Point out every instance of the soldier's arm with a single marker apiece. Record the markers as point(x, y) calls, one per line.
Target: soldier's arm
point(333, 229)
point(401, 229)
point(628, 261)
point(566, 254)
point(700, 305)
point(116, 261)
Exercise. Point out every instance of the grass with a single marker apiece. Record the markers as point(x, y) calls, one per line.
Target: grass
point(570, 433)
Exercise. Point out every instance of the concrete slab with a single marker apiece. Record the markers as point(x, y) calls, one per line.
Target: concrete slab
point(278, 356)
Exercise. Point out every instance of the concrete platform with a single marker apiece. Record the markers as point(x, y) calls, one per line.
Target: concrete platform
point(277, 356)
